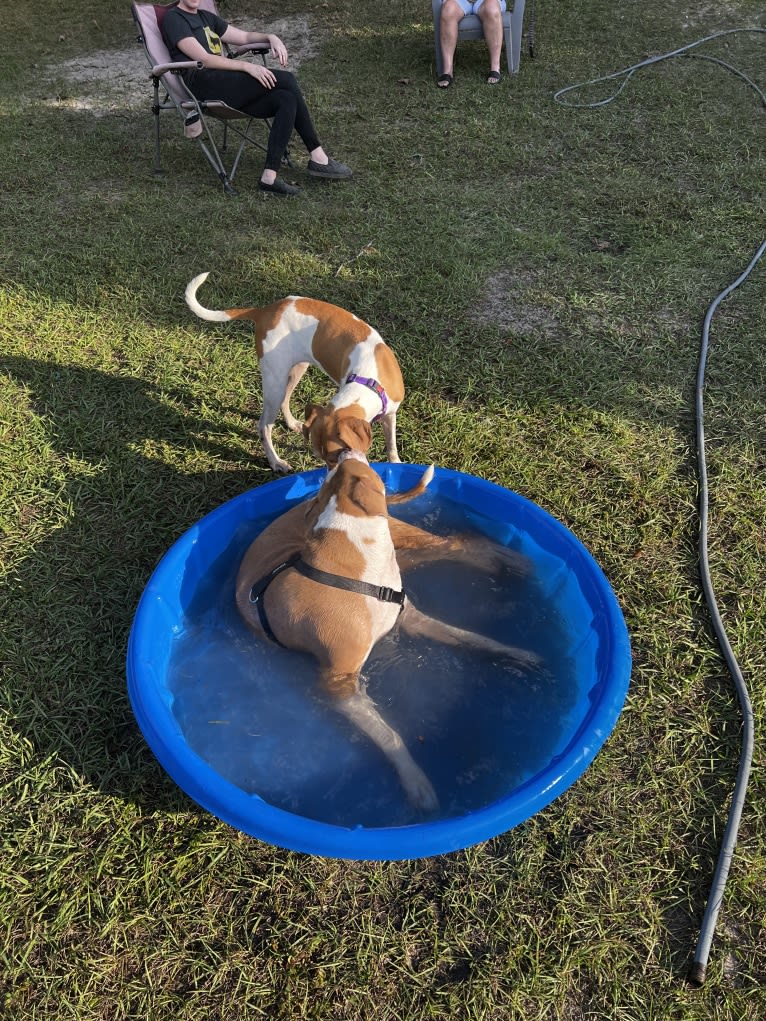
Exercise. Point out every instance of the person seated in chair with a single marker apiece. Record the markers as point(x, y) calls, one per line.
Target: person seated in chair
point(490, 14)
point(194, 34)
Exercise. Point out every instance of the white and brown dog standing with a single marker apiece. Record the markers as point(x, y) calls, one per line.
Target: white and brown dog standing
point(323, 578)
point(292, 334)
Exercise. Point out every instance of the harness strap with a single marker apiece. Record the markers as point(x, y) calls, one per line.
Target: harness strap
point(371, 384)
point(256, 595)
point(381, 592)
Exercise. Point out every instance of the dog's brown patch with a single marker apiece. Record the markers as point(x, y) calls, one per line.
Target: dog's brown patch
point(349, 428)
point(330, 624)
point(363, 497)
point(359, 492)
point(264, 319)
point(339, 686)
point(330, 549)
point(330, 431)
point(336, 334)
point(389, 373)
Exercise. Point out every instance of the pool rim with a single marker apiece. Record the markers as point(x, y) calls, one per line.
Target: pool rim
point(256, 817)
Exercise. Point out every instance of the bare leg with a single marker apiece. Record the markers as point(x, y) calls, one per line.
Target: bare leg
point(491, 19)
point(318, 155)
point(417, 623)
point(451, 15)
point(361, 711)
point(294, 377)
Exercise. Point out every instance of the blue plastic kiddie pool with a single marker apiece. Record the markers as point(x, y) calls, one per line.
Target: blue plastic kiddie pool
point(240, 726)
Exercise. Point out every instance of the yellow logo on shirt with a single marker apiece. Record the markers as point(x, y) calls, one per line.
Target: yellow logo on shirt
point(213, 41)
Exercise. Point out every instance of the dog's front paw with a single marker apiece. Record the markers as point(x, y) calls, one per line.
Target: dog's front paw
point(420, 792)
point(281, 467)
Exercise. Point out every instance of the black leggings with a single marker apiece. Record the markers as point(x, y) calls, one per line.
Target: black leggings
point(284, 104)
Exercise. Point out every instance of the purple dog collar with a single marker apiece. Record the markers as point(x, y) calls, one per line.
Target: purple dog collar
point(374, 385)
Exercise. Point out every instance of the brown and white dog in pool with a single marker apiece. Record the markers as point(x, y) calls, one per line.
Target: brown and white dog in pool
point(294, 333)
point(324, 578)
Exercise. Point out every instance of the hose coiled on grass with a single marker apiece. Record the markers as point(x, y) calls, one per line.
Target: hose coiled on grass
point(698, 970)
point(715, 897)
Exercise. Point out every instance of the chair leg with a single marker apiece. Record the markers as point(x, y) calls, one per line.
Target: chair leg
point(228, 187)
point(158, 171)
point(517, 30)
point(214, 159)
point(508, 38)
point(245, 139)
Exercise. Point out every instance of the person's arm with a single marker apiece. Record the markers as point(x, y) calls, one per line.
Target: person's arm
point(194, 50)
point(237, 37)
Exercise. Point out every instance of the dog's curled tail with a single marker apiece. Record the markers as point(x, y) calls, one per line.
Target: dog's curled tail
point(416, 490)
point(199, 310)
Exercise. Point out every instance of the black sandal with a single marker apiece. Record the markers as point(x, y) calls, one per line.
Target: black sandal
point(494, 78)
point(444, 81)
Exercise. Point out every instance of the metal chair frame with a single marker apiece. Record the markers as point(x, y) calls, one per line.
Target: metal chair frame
point(166, 76)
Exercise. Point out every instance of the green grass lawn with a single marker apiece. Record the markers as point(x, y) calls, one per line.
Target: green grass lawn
point(542, 274)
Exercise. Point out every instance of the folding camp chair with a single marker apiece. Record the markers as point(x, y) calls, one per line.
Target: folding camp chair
point(195, 114)
point(470, 27)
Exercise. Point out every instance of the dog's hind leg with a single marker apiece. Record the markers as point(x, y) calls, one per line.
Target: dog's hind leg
point(277, 463)
point(275, 381)
point(416, 623)
point(414, 547)
point(361, 711)
point(294, 377)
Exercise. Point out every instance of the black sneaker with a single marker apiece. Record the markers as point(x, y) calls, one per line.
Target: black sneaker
point(331, 171)
point(279, 187)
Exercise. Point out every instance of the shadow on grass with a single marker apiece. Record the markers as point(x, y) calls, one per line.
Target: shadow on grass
point(69, 603)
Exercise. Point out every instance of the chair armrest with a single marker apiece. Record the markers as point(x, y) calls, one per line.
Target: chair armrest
point(239, 51)
point(179, 65)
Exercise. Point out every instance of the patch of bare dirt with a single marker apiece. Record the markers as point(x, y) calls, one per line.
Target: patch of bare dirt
point(503, 305)
point(713, 16)
point(109, 81)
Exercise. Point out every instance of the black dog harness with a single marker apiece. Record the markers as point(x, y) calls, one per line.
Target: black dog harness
point(381, 592)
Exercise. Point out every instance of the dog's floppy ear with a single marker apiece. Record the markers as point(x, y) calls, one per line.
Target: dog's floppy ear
point(355, 433)
point(312, 411)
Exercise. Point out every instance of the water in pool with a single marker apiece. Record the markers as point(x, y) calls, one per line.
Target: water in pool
point(478, 726)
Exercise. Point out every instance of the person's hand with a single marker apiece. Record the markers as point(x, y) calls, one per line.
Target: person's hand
point(261, 74)
point(278, 49)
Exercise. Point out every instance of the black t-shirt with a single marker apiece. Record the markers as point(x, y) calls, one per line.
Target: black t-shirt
point(206, 28)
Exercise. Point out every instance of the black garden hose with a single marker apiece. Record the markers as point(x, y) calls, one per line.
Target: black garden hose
point(698, 969)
